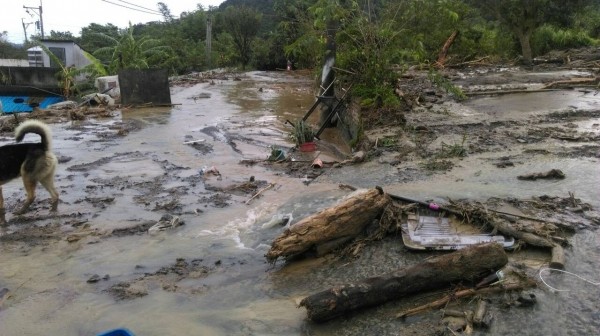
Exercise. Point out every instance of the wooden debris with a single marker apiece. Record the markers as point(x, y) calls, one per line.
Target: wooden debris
point(482, 216)
point(551, 174)
point(347, 219)
point(505, 287)
point(271, 185)
point(529, 238)
point(572, 82)
point(480, 311)
point(468, 264)
point(558, 257)
point(505, 92)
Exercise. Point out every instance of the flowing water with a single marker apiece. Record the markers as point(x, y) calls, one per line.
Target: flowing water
point(234, 291)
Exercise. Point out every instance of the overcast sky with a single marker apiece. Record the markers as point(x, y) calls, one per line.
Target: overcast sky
point(72, 15)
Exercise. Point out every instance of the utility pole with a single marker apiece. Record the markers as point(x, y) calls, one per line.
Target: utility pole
point(25, 25)
point(38, 11)
point(208, 40)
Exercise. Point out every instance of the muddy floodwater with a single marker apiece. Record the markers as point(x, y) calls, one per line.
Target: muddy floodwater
point(96, 266)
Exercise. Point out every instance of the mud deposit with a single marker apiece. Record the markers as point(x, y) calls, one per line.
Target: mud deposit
point(165, 214)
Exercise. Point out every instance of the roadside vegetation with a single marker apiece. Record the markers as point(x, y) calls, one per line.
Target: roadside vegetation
point(375, 39)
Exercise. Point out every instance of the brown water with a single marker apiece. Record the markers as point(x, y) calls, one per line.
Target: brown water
point(243, 295)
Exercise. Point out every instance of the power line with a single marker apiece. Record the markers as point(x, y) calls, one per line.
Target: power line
point(135, 9)
point(132, 4)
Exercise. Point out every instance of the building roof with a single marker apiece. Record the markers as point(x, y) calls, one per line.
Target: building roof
point(58, 40)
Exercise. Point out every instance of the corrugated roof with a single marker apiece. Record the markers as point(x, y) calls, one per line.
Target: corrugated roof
point(12, 104)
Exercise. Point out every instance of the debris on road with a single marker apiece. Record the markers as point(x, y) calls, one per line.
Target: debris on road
point(551, 174)
point(166, 222)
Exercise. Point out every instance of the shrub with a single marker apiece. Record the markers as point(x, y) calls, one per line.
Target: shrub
point(549, 37)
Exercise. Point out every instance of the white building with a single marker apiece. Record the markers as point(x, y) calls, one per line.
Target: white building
point(68, 52)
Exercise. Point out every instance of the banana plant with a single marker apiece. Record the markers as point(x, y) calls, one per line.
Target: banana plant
point(130, 52)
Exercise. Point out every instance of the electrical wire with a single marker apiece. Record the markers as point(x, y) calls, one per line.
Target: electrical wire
point(132, 4)
point(559, 270)
point(135, 9)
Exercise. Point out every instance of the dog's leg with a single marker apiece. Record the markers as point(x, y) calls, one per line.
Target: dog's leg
point(30, 188)
point(2, 211)
point(48, 183)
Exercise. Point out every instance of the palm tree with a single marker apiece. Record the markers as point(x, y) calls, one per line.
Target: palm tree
point(127, 52)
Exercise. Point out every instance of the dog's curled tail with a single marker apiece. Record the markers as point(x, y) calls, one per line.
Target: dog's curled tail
point(36, 127)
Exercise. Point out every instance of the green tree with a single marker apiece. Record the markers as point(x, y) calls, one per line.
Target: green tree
point(128, 52)
point(224, 50)
point(58, 35)
point(92, 36)
point(297, 33)
point(165, 11)
point(183, 36)
point(523, 17)
point(243, 24)
point(267, 53)
point(9, 50)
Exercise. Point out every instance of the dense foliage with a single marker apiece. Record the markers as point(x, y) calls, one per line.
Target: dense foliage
point(371, 36)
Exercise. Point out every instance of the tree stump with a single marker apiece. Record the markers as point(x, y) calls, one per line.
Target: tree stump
point(344, 220)
point(468, 264)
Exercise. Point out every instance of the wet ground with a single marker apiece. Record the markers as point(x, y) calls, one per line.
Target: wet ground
point(195, 168)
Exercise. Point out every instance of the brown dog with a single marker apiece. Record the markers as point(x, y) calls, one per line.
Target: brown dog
point(34, 162)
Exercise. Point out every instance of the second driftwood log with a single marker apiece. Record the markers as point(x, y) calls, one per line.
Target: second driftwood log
point(338, 223)
point(468, 264)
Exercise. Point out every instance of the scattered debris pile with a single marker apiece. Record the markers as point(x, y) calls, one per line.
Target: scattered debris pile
point(588, 57)
point(477, 269)
point(203, 77)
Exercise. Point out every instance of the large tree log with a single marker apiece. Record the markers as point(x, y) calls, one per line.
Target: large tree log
point(468, 264)
point(346, 219)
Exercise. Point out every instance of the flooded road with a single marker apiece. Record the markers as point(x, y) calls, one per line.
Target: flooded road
point(209, 276)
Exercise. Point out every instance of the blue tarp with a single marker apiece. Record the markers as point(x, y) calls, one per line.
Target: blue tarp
point(12, 104)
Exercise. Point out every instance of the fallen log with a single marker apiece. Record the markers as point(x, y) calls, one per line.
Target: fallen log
point(506, 92)
point(345, 220)
point(468, 264)
point(572, 82)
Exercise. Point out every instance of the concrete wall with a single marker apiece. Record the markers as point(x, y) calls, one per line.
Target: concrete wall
point(144, 87)
point(27, 80)
point(13, 63)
